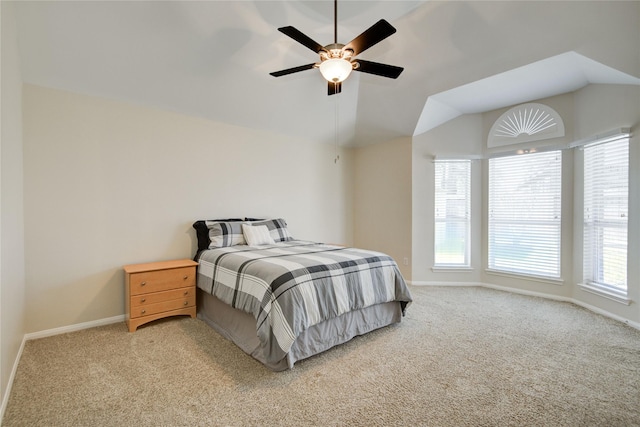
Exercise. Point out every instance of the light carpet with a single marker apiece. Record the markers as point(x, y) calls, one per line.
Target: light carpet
point(463, 356)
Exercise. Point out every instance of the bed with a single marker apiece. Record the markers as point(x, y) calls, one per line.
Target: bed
point(282, 300)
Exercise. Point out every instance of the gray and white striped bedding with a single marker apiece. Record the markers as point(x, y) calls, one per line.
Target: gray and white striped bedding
point(290, 286)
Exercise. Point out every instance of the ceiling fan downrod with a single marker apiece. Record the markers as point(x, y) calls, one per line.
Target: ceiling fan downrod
point(335, 21)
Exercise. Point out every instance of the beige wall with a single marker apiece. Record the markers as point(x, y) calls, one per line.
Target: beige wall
point(108, 184)
point(593, 110)
point(382, 200)
point(12, 277)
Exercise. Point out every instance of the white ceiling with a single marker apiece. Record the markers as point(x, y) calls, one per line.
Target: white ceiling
point(212, 58)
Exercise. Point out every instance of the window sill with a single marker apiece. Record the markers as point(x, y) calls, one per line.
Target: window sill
point(612, 295)
point(451, 269)
point(531, 277)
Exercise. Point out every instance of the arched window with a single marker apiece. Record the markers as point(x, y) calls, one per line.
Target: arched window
point(525, 123)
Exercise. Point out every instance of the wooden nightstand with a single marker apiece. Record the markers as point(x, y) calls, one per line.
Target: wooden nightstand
point(159, 289)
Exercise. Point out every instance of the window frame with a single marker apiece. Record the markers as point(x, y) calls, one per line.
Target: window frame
point(595, 221)
point(501, 222)
point(457, 220)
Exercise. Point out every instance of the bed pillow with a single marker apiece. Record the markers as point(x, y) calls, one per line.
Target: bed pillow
point(277, 229)
point(219, 233)
point(257, 235)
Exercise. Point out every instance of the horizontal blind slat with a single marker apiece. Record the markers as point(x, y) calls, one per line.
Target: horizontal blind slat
point(606, 192)
point(452, 213)
point(525, 213)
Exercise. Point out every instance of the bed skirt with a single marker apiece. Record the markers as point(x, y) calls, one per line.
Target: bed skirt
point(240, 328)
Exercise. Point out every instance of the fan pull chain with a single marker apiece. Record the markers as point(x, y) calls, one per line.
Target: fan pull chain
point(337, 155)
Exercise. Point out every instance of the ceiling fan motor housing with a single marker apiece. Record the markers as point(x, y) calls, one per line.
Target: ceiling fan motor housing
point(336, 51)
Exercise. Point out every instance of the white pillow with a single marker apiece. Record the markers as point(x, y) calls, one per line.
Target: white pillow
point(256, 235)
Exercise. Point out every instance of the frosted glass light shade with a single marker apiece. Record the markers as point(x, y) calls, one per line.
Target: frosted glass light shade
point(335, 70)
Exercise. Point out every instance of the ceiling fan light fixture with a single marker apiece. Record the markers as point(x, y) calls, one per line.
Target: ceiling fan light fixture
point(335, 70)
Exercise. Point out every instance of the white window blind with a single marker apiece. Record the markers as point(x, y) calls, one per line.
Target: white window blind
point(525, 214)
point(606, 195)
point(452, 213)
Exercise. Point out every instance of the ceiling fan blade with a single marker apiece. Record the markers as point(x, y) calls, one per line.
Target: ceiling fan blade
point(378, 69)
point(292, 70)
point(334, 88)
point(371, 36)
point(301, 38)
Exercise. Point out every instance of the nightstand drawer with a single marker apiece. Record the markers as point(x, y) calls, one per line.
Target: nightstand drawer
point(146, 310)
point(161, 280)
point(156, 297)
point(155, 290)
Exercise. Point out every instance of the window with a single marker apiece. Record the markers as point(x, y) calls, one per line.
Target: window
point(452, 213)
point(525, 214)
point(606, 195)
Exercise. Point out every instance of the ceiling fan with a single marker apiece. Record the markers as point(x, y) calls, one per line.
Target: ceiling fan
point(338, 60)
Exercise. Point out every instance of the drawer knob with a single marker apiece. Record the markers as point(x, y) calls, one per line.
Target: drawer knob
point(143, 311)
point(143, 283)
point(186, 292)
point(186, 303)
point(185, 277)
point(143, 300)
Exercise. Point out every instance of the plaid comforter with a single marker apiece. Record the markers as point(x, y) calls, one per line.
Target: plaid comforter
point(293, 285)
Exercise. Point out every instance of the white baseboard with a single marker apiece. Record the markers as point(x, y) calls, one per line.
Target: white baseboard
point(608, 314)
point(49, 333)
point(73, 328)
point(419, 283)
point(7, 393)
point(634, 325)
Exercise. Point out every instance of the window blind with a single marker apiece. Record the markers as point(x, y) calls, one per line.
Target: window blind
point(452, 213)
point(606, 196)
point(525, 214)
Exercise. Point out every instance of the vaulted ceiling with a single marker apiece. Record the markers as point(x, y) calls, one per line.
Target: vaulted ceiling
point(212, 58)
